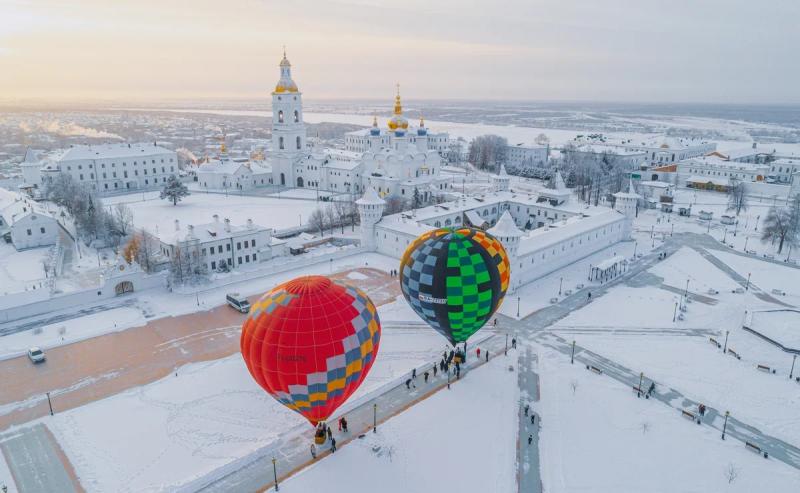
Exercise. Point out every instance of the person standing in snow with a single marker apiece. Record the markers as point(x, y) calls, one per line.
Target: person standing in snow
point(652, 388)
point(434, 371)
point(426, 376)
point(487, 356)
point(530, 439)
point(533, 418)
point(340, 424)
point(408, 384)
point(513, 343)
point(330, 433)
point(527, 407)
point(344, 424)
point(333, 445)
point(313, 451)
point(414, 374)
point(478, 352)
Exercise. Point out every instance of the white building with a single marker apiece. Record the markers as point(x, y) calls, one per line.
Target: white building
point(658, 149)
point(526, 155)
point(25, 223)
point(217, 243)
point(361, 141)
point(106, 168)
point(543, 231)
point(782, 169)
point(629, 158)
point(225, 173)
point(717, 171)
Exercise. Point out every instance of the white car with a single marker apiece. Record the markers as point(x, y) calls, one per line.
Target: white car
point(36, 355)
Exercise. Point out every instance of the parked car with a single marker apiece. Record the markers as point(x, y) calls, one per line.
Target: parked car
point(238, 302)
point(36, 355)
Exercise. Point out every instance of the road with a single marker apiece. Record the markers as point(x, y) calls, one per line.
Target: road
point(529, 477)
point(133, 357)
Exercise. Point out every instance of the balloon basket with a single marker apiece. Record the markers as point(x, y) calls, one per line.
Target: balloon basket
point(319, 439)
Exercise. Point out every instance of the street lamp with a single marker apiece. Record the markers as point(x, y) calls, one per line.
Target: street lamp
point(791, 372)
point(49, 403)
point(275, 472)
point(374, 418)
point(572, 358)
point(506, 350)
point(725, 425)
point(517, 306)
point(560, 284)
point(746, 239)
point(725, 348)
point(686, 291)
point(675, 312)
point(639, 390)
point(725, 235)
point(635, 244)
point(747, 286)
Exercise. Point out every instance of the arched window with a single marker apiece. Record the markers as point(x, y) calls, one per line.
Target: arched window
point(300, 182)
point(438, 224)
point(283, 179)
point(296, 116)
point(448, 222)
point(280, 142)
point(280, 116)
point(298, 142)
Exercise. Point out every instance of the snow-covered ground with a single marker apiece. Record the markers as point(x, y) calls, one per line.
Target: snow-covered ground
point(782, 326)
point(765, 275)
point(154, 437)
point(687, 264)
point(21, 271)
point(158, 216)
point(458, 440)
point(594, 440)
point(5, 475)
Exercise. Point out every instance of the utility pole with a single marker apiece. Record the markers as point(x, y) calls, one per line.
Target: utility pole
point(49, 403)
point(560, 284)
point(375, 417)
point(747, 286)
point(517, 306)
point(725, 348)
point(639, 390)
point(791, 372)
point(675, 312)
point(572, 358)
point(725, 425)
point(275, 472)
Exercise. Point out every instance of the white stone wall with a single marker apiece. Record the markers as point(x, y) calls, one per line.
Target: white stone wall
point(34, 230)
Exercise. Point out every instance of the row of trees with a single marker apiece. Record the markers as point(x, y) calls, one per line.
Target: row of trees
point(338, 213)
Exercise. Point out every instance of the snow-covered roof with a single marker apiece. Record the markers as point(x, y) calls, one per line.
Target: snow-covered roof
point(707, 179)
point(113, 151)
point(610, 262)
point(541, 238)
point(719, 162)
point(226, 167)
point(506, 227)
point(207, 232)
point(370, 198)
point(630, 194)
point(14, 206)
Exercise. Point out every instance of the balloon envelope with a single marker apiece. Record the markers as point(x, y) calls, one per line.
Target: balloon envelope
point(455, 279)
point(310, 342)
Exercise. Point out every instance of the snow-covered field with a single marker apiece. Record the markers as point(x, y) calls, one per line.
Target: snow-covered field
point(765, 275)
point(158, 216)
point(458, 440)
point(592, 440)
point(154, 437)
point(21, 271)
point(687, 264)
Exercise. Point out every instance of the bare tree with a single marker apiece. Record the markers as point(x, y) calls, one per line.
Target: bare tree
point(317, 221)
point(123, 219)
point(331, 217)
point(487, 151)
point(778, 226)
point(731, 472)
point(737, 198)
point(342, 213)
point(394, 204)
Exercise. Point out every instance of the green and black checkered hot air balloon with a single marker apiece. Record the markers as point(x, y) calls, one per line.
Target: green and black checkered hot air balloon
point(455, 279)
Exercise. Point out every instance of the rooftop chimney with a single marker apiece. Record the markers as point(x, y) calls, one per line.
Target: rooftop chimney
point(177, 225)
point(227, 225)
point(249, 224)
point(190, 232)
point(216, 218)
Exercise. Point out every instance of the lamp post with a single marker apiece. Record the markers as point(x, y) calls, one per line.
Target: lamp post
point(746, 239)
point(375, 417)
point(197, 298)
point(791, 372)
point(560, 284)
point(639, 390)
point(635, 244)
point(686, 291)
point(572, 358)
point(49, 403)
point(725, 425)
point(275, 472)
point(506, 350)
point(747, 286)
point(517, 306)
point(675, 312)
point(652, 229)
point(725, 348)
point(725, 235)
point(672, 229)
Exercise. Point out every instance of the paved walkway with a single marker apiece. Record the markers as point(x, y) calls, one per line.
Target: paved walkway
point(37, 462)
point(292, 451)
point(529, 478)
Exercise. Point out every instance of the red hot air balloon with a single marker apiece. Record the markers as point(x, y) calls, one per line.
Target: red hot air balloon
point(310, 342)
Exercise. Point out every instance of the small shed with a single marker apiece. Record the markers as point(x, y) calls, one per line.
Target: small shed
point(706, 215)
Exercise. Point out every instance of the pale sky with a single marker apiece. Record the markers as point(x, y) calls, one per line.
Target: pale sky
point(730, 51)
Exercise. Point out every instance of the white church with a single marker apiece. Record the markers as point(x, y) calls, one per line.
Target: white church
point(393, 161)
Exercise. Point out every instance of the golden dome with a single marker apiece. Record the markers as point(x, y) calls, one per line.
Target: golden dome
point(398, 121)
point(285, 84)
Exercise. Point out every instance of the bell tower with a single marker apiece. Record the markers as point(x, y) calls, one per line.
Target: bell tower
point(288, 129)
